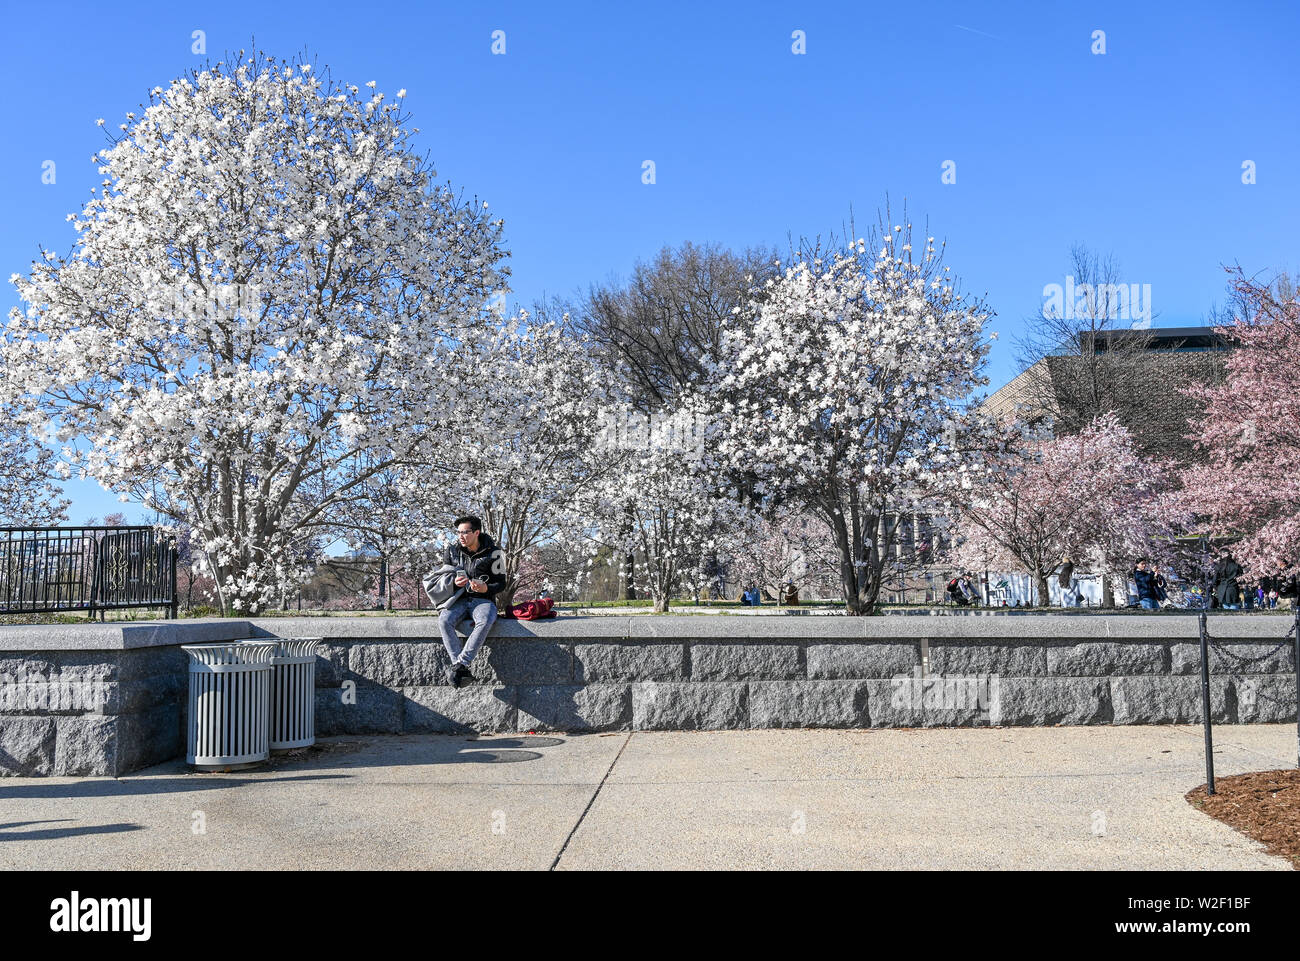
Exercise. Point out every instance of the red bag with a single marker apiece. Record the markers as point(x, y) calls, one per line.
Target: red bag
point(537, 610)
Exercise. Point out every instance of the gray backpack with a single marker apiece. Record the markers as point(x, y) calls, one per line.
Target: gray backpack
point(440, 585)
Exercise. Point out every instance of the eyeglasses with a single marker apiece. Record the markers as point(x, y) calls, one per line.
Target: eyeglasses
point(464, 533)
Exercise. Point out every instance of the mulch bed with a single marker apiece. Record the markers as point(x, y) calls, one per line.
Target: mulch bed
point(1264, 805)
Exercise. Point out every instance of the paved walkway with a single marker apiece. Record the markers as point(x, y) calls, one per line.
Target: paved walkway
point(1098, 797)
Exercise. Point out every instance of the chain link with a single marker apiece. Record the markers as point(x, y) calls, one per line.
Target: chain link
point(1250, 661)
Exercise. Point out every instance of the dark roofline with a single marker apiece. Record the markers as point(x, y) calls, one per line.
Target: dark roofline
point(1162, 338)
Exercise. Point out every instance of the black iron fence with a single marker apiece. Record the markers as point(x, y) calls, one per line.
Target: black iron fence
point(52, 569)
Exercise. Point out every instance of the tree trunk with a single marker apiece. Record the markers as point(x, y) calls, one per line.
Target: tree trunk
point(661, 604)
point(1044, 593)
point(1108, 590)
point(628, 592)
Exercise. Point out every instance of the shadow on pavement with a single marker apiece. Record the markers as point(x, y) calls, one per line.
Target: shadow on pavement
point(51, 834)
point(116, 787)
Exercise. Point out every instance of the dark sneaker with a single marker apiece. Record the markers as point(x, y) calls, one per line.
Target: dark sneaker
point(453, 675)
point(463, 676)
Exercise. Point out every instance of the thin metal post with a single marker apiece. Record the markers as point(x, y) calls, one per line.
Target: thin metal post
point(173, 555)
point(1296, 602)
point(1205, 707)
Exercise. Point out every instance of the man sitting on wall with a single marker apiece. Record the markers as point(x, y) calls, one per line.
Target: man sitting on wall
point(481, 570)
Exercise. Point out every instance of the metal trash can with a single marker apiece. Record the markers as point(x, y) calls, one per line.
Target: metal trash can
point(293, 693)
point(229, 704)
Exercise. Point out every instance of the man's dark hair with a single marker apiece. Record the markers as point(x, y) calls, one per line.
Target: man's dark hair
point(1144, 560)
point(474, 522)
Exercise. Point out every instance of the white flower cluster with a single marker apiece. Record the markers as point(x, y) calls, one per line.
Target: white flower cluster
point(266, 287)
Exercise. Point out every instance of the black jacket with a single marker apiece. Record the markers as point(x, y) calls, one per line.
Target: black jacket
point(1147, 588)
point(1225, 582)
point(487, 564)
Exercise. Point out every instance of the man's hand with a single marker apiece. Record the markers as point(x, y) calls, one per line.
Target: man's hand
point(478, 587)
point(462, 581)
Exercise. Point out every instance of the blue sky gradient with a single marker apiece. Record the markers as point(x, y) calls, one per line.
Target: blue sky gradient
point(1136, 152)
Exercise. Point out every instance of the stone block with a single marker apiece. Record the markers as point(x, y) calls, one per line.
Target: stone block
point(449, 710)
point(848, 660)
point(1167, 700)
point(27, 746)
point(150, 737)
point(1241, 658)
point(367, 710)
point(693, 706)
point(760, 660)
point(969, 656)
point(510, 662)
point(332, 663)
point(87, 746)
point(1107, 659)
point(133, 697)
point(645, 661)
point(1264, 699)
point(890, 703)
point(774, 704)
point(575, 707)
point(152, 662)
point(1031, 701)
point(406, 664)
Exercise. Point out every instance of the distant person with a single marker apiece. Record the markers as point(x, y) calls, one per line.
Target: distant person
point(1162, 586)
point(1148, 593)
point(955, 592)
point(790, 594)
point(1281, 584)
point(1069, 584)
point(968, 590)
point(480, 569)
point(1226, 590)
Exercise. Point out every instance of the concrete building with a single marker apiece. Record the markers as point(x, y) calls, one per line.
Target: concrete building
point(1147, 393)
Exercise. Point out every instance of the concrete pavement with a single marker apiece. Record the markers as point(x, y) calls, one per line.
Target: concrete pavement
point(982, 799)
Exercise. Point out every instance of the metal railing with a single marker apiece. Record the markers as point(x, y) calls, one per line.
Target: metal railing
point(57, 569)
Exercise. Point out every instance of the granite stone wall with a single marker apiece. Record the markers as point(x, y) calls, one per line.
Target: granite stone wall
point(681, 681)
point(98, 700)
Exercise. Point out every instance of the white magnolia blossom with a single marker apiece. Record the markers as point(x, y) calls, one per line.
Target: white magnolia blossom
point(29, 493)
point(265, 288)
point(846, 397)
point(517, 448)
point(661, 504)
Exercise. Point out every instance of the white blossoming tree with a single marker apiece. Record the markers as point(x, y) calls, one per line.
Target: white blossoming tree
point(663, 504)
point(29, 494)
point(846, 396)
point(265, 287)
point(523, 453)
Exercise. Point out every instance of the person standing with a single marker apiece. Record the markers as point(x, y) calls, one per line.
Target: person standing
point(1148, 593)
point(1069, 584)
point(480, 569)
point(1226, 590)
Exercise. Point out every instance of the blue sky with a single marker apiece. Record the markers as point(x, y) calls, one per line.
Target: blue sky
point(1137, 152)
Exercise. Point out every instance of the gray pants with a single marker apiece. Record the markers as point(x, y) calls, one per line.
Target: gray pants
point(482, 611)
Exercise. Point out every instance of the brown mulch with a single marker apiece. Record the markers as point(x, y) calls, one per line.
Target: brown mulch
point(1264, 805)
